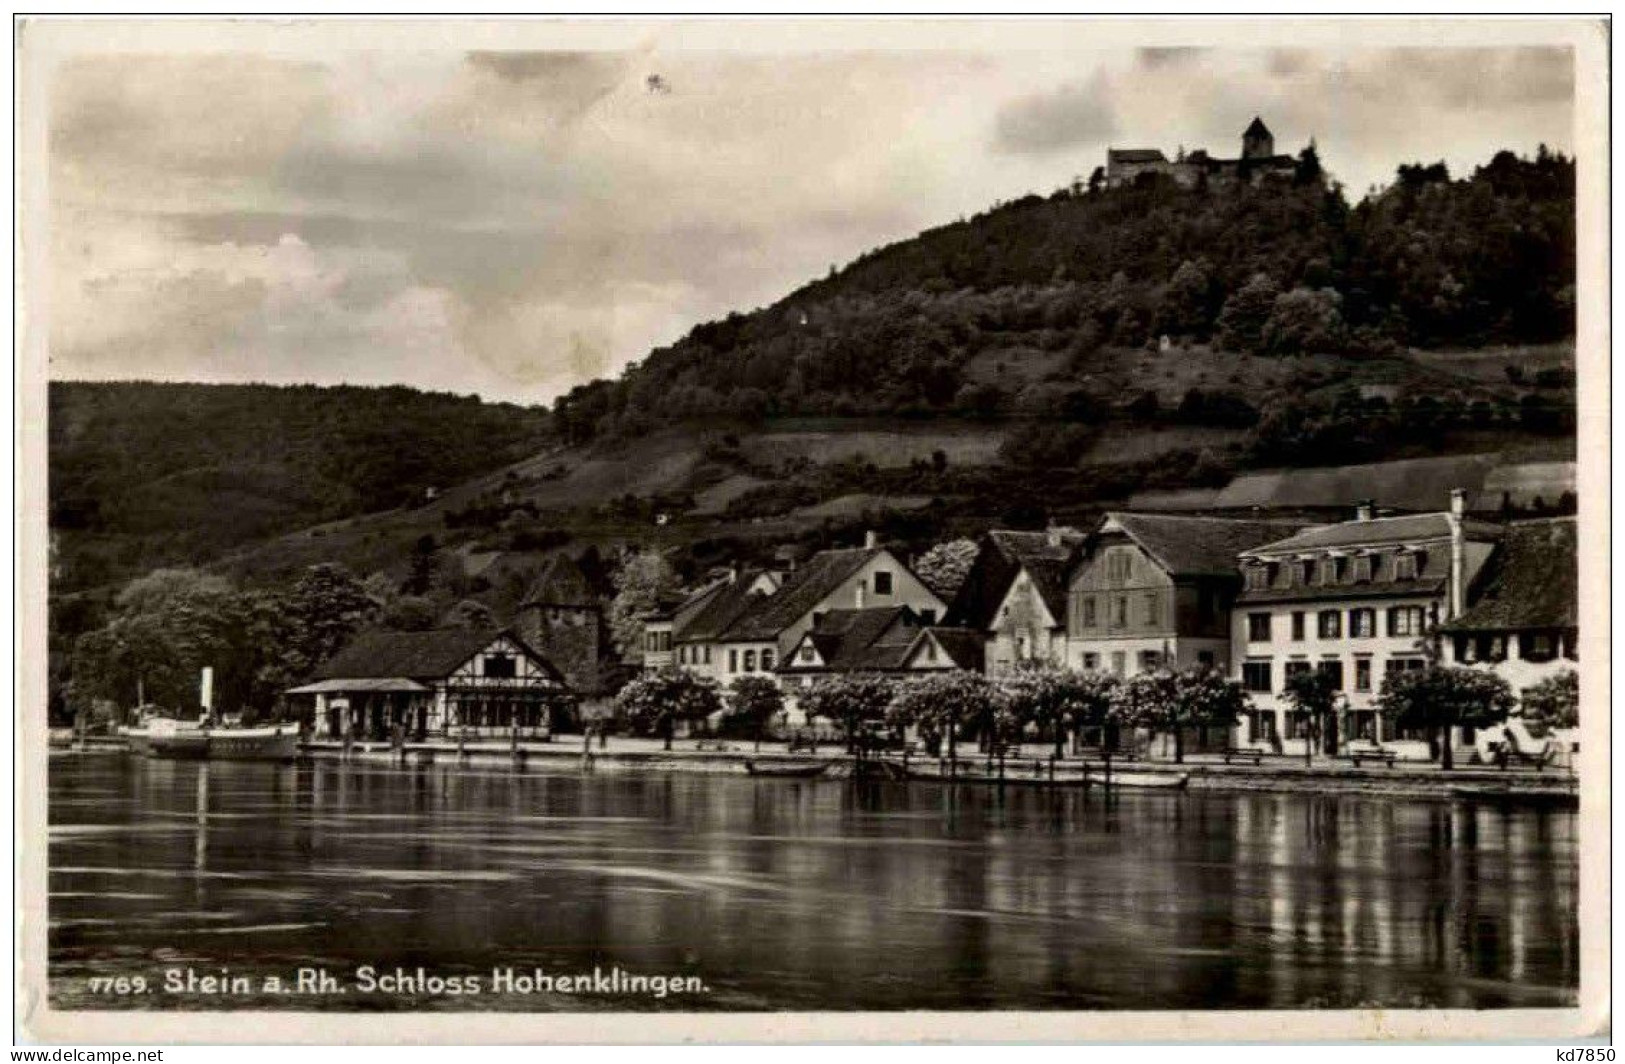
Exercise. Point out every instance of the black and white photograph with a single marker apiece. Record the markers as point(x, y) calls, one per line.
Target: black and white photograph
point(839, 519)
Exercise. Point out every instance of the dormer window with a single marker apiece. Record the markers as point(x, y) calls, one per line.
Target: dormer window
point(1405, 565)
point(1306, 573)
point(1362, 569)
point(1257, 576)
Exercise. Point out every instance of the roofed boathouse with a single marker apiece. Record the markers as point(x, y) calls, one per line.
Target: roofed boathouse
point(439, 683)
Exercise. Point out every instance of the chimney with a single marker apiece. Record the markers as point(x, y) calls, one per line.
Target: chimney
point(871, 539)
point(1052, 533)
point(1363, 510)
point(1458, 554)
point(733, 574)
point(857, 595)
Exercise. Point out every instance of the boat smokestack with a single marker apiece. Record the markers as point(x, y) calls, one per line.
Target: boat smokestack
point(1458, 553)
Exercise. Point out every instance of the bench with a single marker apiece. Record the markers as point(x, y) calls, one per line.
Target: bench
point(1245, 752)
point(1387, 757)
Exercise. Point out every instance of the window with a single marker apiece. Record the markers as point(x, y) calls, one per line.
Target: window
point(1091, 662)
point(1258, 628)
point(1258, 577)
point(1362, 569)
point(882, 582)
point(682, 655)
point(1206, 608)
point(1333, 667)
point(1121, 618)
point(808, 654)
point(1089, 611)
point(1256, 675)
point(1332, 571)
point(1406, 620)
point(733, 660)
point(767, 661)
point(1118, 563)
point(1119, 662)
point(1149, 659)
point(1405, 565)
point(706, 653)
point(1151, 610)
point(930, 650)
point(1293, 668)
point(1297, 626)
point(928, 617)
point(1362, 674)
point(1394, 665)
point(1536, 646)
point(1331, 624)
point(500, 666)
point(1306, 573)
point(750, 661)
point(1362, 623)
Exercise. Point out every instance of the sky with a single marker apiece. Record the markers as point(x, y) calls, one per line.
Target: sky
point(514, 223)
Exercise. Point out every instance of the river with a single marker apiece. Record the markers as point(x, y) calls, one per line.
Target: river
point(754, 894)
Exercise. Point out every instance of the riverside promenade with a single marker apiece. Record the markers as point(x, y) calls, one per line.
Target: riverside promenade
point(1033, 766)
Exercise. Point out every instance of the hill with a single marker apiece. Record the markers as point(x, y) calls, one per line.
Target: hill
point(1024, 309)
point(144, 474)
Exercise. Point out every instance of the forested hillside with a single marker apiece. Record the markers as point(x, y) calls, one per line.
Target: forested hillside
point(1281, 269)
point(148, 474)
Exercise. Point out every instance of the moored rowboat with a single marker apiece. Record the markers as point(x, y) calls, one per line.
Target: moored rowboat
point(787, 771)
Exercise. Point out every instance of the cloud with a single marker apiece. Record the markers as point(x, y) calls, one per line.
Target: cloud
point(1064, 118)
point(511, 222)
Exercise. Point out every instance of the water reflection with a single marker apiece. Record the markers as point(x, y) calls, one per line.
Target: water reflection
point(784, 894)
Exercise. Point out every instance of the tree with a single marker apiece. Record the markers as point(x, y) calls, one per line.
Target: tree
point(1242, 318)
point(409, 613)
point(857, 700)
point(1305, 321)
point(755, 700)
point(1314, 693)
point(1058, 700)
point(1307, 169)
point(318, 616)
point(657, 700)
point(643, 579)
point(944, 703)
point(1166, 701)
point(1186, 308)
point(473, 615)
point(944, 567)
point(1439, 698)
point(165, 628)
point(1555, 701)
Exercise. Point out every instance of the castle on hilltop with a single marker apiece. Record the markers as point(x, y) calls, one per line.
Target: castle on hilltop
point(1258, 162)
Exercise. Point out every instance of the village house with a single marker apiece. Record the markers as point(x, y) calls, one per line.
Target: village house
point(1015, 595)
point(441, 682)
point(769, 626)
point(1523, 622)
point(1359, 599)
point(1155, 590)
point(851, 640)
point(1191, 169)
point(700, 622)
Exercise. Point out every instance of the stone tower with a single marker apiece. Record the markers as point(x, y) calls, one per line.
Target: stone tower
point(1257, 142)
point(562, 619)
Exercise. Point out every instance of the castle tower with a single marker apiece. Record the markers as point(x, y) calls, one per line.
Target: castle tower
point(1257, 142)
point(562, 619)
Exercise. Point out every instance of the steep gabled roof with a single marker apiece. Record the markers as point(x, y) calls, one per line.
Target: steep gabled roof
point(1046, 556)
point(429, 655)
point(964, 647)
point(723, 605)
point(1532, 581)
point(560, 582)
point(1195, 544)
point(875, 638)
point(821, 576)
point(1257, 128)
point(1377, 532)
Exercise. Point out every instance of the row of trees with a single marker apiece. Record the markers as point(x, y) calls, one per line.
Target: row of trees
point(950, 707)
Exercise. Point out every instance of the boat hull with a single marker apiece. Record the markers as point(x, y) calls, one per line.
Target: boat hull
point(793, 772)
point(227, 744)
